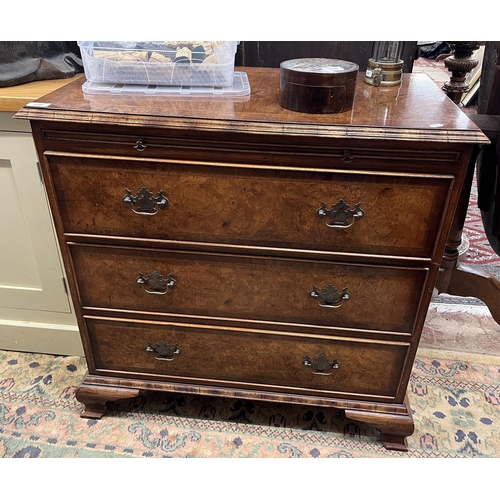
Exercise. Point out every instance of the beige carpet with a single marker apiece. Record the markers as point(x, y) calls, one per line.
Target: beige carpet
point(460, 327)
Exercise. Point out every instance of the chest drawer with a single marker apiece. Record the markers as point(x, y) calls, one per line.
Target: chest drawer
point(245, 358)
point(299, 151)
point(329, 211)
point(251, 288)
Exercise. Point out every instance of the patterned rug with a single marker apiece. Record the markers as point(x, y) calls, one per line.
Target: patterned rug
point(479, 251)
point(454, 395)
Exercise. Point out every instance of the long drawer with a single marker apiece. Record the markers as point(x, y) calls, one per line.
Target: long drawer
point(299, 291)
point(245, 358)
point(264, 150)
point(320, 210)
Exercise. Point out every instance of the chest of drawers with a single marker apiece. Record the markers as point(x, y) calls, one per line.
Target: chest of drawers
point(232, 247)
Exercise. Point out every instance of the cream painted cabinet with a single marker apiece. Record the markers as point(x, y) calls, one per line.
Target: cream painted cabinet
point(35, 309)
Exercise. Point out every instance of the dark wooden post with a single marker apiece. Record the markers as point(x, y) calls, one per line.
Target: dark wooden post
point(460, 63)
point(457, 278)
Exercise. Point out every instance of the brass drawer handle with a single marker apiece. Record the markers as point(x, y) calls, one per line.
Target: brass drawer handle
point(166, 352)
point(146, 202)
point(330, 296)
point(155, 283)
point(340, 215)
point(139, 145)
point(321, 365)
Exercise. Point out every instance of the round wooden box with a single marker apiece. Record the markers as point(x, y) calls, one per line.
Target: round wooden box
point(317, 85)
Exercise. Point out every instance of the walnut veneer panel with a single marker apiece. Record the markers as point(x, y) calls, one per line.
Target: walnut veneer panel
point(221, 356)
point(252, 206)
point(257, 288)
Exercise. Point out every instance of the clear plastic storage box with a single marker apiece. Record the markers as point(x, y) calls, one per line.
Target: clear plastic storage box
point(160, 63)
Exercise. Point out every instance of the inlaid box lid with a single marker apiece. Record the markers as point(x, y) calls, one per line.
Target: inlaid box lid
point(318, 71)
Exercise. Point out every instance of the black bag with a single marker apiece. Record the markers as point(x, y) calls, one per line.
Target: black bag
point(23, 62)
point(434, 50)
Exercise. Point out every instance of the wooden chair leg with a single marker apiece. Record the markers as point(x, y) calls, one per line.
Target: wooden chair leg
point(467, 281)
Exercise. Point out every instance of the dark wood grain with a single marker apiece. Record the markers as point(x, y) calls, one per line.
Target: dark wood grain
point(258, 288)
point(247, 205)
point(249, 359)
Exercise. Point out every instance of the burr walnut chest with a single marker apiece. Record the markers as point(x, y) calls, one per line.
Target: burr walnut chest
point(231, 247)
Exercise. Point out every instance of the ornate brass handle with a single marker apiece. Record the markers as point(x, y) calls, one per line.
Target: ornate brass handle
point(340, 215)
point(155, 283)
point(166, 352)
point(330, 296)
point(147, 203)
point(321, 365)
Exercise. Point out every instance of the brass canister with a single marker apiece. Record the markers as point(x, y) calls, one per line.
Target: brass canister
point(383, 74)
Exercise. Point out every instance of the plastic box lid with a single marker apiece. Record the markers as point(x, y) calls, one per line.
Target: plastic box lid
point(240, 88)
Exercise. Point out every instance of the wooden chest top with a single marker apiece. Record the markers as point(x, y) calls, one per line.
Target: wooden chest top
point(416, 111)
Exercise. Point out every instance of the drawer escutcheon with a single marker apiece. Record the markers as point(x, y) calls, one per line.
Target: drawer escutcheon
point(347, 158)
point(139, 145)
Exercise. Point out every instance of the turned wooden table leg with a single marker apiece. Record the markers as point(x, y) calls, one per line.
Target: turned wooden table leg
point(451, 253)
point(394, 428)
point(95, 397)
point(460, 63)
point(460, 279)
point(456, 278)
